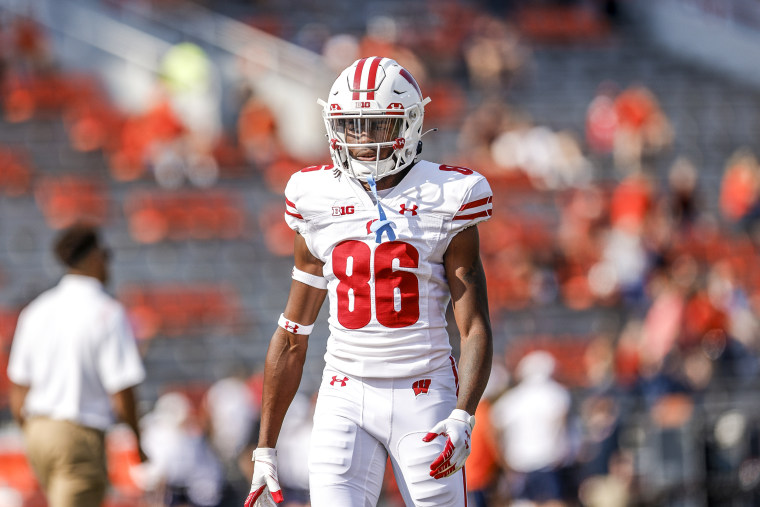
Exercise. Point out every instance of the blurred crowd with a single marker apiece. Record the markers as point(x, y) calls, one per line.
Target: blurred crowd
point(583, 221)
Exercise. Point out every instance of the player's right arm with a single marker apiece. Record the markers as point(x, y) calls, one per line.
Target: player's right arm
point(287, 351)
point(282, 374)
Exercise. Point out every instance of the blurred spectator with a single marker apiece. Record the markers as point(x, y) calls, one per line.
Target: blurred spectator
point(740, 189)
point(612, 489)
point(642, 128)
point(190, 80)
point(232, 417)
point(30, 53)
point(480, 129)
point(485, 459)
point(339, 51)
point(382, 38)
point(667, 290)
point(493, 54)
point(531, 421)
point(74, 364)
point(257, 132)
point(182, 466)
point(602, 119)
point(292, 451)
point(551, 160)
point(684, 203)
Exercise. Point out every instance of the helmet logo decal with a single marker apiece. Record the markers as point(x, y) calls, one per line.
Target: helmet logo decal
point(405, 74)
point(335, 107)
point(399, 143)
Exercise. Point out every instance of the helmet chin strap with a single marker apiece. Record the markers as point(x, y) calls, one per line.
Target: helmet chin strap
point(370, 169)
point(382, 226)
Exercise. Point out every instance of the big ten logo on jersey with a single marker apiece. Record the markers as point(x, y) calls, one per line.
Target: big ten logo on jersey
point(342, 210)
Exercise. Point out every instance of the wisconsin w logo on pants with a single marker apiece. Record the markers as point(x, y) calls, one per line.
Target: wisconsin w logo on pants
point(421, 386)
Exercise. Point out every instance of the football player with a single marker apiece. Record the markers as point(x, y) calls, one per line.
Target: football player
point(391, 239)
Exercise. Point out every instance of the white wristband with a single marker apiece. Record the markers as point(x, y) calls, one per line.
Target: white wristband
point(294, 327)
point(461, 415)
point(264, 452)
point(315, 281)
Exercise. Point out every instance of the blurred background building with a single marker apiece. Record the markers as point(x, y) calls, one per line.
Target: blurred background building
point(620, 138)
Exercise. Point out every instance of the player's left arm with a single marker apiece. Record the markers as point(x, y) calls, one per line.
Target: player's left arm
point(469, 297)
point(467, 283)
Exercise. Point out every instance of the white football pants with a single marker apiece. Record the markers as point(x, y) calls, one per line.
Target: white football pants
point(359, 422)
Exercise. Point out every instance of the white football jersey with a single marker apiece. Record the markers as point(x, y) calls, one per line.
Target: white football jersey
point(387, 300)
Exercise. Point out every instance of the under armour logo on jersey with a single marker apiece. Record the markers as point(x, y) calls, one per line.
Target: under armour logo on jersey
point(412, 210)
point(421, 386)
point(293, 328)
point(336, 379)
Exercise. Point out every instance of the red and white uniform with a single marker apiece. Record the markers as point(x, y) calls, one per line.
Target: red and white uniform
point(389, 373)
point(387, 301)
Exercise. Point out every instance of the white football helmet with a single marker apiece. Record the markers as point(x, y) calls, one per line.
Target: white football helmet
point(373, 118)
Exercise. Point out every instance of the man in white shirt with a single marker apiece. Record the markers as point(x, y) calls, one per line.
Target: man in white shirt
point(530, 420)
point(73, 363)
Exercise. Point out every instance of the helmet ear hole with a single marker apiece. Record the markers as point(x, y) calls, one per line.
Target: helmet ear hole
point(419, 148)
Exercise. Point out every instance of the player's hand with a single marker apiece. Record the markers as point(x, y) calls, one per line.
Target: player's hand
point(458, 428)
point(265, 486)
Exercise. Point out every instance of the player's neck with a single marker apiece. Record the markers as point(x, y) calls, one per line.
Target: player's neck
point(389, 181)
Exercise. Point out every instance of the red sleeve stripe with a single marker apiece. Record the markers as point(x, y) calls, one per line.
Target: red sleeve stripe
point(475, 204)
point(479, 214)
point(293, 213)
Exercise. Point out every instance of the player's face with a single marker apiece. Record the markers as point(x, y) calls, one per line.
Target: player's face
point(367, 131)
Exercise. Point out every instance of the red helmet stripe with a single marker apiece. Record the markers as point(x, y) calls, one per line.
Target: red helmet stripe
point(405, 74)
point(372, 78)
point(358, 78)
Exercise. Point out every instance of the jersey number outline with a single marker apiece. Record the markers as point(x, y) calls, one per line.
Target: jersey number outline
point(354, 280)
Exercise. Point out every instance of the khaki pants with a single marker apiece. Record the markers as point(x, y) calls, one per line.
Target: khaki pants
point(69, 461)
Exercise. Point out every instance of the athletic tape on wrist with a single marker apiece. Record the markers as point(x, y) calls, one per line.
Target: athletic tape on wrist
point(264, 452)
point(462, 415)
point(315, 281)
point(294, 327)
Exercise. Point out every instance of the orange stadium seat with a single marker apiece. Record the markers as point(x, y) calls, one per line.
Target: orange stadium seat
point(15, 172)
point(181, 309)
point(554, 23)
point(64, 200)
point(15, 470)
point(155, 216)
point(568, 350)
